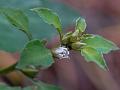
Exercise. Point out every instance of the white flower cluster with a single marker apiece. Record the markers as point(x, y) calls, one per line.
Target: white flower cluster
point(62, 52)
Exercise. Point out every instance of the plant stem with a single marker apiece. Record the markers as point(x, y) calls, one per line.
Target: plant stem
point(29, 35)
point(60, 37)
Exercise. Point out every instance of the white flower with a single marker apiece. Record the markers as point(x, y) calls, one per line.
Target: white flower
point(62, 52)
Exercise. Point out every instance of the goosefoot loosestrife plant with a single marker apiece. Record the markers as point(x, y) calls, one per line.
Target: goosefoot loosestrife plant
point(36, 56)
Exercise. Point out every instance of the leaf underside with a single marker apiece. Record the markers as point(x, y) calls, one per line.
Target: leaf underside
point(92, 55)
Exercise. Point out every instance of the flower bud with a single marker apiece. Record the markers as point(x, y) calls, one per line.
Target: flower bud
point(66, 38)
point(75, 36)
point(77, 45)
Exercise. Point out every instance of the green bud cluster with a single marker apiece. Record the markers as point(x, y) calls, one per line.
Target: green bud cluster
point(73, 39)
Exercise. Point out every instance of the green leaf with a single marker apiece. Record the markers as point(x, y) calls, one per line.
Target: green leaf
point(36, 86)
point(30, 72)
point(81, 24)
point(17, 18)
point(42, 86)
point(8, 69)
point(101, 44)
point(5, 87)
point(92, 55)
point(49, 17)
point(33, 56)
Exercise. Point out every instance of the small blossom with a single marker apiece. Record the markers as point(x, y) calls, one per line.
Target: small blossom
point(62, 52)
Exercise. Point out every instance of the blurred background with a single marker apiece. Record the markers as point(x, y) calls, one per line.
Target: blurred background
point(102, 17)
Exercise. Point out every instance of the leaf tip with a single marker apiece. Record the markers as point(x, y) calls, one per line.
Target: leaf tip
point(81, 24)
